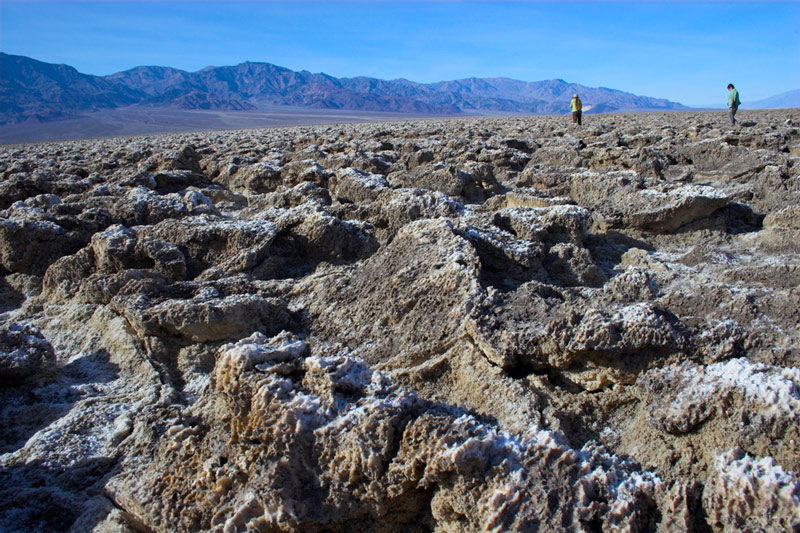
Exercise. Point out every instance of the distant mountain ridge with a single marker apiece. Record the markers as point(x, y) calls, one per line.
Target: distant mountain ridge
point(779, 101)
point(787, 100)
point(34, 90)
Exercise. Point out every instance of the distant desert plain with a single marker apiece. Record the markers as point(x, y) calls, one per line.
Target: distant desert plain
point(145, 120)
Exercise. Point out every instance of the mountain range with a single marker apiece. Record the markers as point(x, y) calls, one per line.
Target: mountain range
point(787, 100)
point(32, 90)
point(779, 101)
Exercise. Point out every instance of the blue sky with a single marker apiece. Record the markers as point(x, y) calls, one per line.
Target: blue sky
point(684, 51)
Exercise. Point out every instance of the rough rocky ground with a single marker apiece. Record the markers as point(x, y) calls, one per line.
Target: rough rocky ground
point(505, 324)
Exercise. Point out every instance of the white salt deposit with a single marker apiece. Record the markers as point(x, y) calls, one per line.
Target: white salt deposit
point(366, 179)
point(773, 387)
point(765, 471)
point(768, 389)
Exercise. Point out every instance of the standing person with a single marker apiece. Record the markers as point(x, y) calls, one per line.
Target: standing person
point(733, 103)
point(576, 107)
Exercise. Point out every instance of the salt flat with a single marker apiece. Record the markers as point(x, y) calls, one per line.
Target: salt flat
point(144, 120)
point(506, 324)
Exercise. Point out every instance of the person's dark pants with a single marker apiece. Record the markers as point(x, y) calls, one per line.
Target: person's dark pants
point(732, 114)
point(576, 117)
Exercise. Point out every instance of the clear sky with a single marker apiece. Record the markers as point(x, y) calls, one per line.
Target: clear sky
point(684, 51)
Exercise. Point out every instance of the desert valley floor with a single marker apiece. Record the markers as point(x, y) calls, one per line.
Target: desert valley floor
point(480, 324)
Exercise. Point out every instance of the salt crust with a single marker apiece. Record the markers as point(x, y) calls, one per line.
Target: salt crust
point(734, 465)
point(749, 494)
point(468, 440)
point(773, 389)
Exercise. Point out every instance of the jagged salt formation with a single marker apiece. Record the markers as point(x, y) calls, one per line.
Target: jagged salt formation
point(504, 324)
point(281, 439)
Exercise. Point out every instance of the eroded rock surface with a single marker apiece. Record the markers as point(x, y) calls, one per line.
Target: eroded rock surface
point(505, 324)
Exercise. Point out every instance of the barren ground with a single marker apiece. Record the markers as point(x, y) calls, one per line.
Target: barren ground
point(504, 324)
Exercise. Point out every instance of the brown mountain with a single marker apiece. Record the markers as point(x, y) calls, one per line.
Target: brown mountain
point(34, 90)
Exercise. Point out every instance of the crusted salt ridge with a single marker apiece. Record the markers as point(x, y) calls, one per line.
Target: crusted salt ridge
point(735, 465)
point(626, 330)
point(674, 196)
point(745, 493)
point(465, 441)
point(541, 218)
point(771, 389)
point(523, 252)
point(366, 179)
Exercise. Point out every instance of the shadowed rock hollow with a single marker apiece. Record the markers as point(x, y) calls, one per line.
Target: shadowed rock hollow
point(504, 324)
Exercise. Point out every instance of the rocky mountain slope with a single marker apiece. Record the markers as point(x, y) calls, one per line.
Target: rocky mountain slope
point(505, 324)
point(31, 89)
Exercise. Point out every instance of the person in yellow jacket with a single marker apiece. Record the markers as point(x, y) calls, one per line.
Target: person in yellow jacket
point(577, 108)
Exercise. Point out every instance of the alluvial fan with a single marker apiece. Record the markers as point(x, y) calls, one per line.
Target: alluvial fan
point(483, 324)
